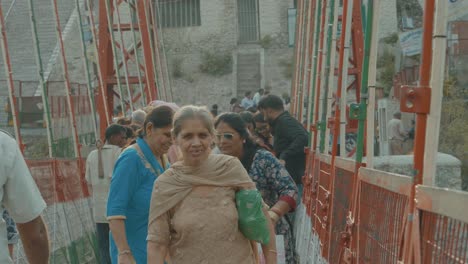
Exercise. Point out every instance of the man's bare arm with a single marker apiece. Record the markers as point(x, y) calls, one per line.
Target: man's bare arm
point(35, 240)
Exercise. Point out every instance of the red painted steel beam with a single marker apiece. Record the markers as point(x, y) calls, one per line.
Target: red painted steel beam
point(357, 40)
point(106, 62)
point(421, 124)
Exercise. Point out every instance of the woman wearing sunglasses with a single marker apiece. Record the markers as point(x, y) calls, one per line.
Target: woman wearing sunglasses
point(271, 178)
point(193, 216)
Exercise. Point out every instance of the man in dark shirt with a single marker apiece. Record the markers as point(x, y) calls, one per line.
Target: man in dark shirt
point(290, 137)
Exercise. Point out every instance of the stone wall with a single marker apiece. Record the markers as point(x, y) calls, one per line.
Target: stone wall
point(278, 59)
point(218, 34)
point(218, 30)
point(273, 20)
point(278, 70)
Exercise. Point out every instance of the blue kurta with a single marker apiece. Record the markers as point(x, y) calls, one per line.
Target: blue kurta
point(130, 195)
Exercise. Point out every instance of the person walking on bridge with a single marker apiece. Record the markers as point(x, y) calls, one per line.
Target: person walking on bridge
point(99, 168)
point(271, 178)
point(132, 182)
point(290, 137)
point(396, 134)
point(21, 197)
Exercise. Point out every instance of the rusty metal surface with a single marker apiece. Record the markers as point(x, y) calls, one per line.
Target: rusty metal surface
point(444, 239)
point(322, 211)
point(341, 206)
point(380, 223)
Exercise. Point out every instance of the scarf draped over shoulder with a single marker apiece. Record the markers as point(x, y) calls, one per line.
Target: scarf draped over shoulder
point(176, 183)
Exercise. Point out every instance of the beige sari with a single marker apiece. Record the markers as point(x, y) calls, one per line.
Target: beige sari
point(170, 210)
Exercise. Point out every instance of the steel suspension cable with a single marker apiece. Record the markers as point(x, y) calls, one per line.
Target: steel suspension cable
point(42, 84)
point(297, 58)
point(10, 81)
point(322, 74)
point(98, 64)
point(310, 62)
point(371, 85)
point(318, 66)
point(342, 100)
point(342, 72)
point(149, 97)
point(329, 75)
point(367, 80)
point(68, 91)
point(86, 66)
point(122, 54)
point(153, 51)
point(157, 49)
point(109, 13)
point(305, 62)
point(169, 83)
point(314, 95)
point(135, 48)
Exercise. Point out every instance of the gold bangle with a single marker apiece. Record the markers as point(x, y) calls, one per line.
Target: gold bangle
point(278, 212)
point(273, 215)
point(273, 251)
point(125, 252)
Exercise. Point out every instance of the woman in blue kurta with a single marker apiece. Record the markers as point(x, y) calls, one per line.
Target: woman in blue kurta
point(132, 183)
point(271, 178)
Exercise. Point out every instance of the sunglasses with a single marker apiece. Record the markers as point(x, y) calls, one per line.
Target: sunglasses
point(226, 136)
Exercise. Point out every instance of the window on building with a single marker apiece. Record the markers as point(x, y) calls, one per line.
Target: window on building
point(179, 13)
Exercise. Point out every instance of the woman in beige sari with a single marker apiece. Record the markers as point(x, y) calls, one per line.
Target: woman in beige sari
point(193, 215)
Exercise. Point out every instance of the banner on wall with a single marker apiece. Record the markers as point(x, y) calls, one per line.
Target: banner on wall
point(457, 9)
point(410, 42)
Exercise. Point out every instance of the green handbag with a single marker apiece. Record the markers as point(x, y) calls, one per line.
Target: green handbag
point(252, 221)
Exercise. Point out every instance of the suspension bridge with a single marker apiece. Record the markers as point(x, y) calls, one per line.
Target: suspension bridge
point(82, 58)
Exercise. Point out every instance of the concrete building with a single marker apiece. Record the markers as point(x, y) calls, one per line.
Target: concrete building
point(218, 49)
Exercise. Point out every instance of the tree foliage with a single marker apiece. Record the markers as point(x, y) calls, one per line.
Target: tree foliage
point(454, 125)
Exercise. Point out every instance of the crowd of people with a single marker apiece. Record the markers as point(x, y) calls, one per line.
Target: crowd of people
point(165, 182)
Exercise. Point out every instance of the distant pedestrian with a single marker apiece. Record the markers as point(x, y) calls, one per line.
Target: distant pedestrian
point(235, 106)
point(214, 110)
point(396, 134)
point(131, 184)
point(99, 168)
point(138, 118)
point(247, 102)
point(258, 95)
